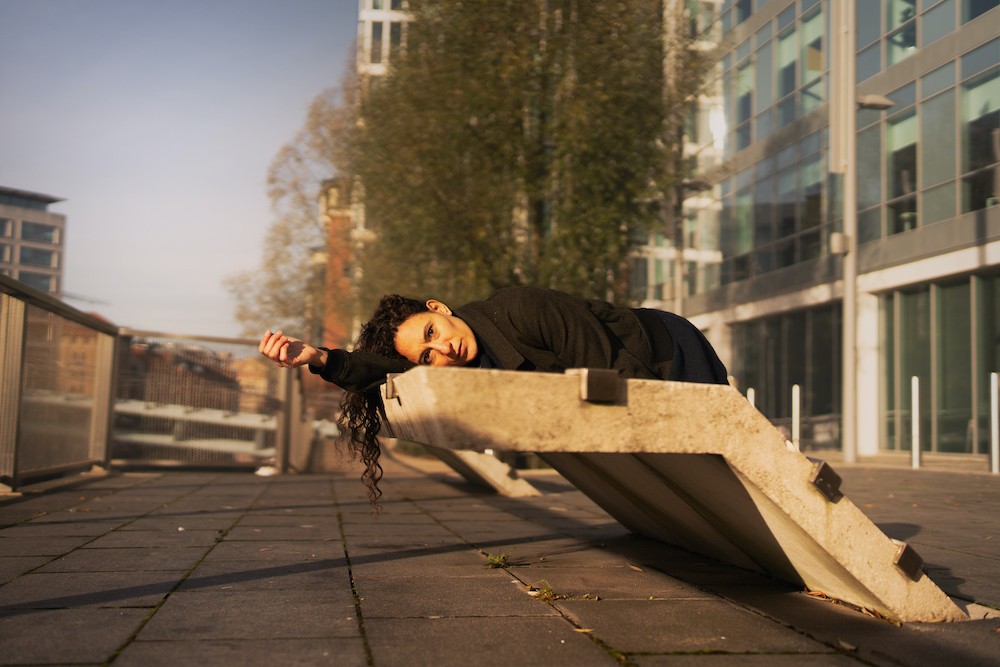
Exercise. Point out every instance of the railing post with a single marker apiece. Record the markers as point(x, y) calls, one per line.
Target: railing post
point(796, 416)
point(994, 424)
point(12, 328)
point(915, 421)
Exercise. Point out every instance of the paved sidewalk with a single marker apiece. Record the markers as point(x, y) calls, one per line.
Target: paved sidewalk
point(182, 568)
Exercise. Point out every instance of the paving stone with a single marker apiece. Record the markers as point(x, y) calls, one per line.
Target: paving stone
point(13, 566)
point(60, 590)
point(167, 521)
point(127, 560)
point(275, 550)
point(874, 640)
point(296, 531)
point(249, 576)
point(342, 652)
point(155, 538)
point(65, 636)
point(40, 545)
point(621, 583)
point(66, 525)
point(281, 614)
point(491, 593)
point(484, 642)
point(746, 660)
point(659, 626)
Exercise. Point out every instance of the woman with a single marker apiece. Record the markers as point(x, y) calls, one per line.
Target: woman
point(518, 328)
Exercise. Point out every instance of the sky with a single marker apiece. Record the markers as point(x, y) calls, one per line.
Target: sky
point(156, 121)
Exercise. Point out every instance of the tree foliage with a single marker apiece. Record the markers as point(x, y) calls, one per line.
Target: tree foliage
point(513, 141)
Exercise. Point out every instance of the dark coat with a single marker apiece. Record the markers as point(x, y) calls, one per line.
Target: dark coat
point(536, 329)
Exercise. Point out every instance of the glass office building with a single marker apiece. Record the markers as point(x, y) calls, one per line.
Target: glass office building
point(848, 128)
point(31, 239)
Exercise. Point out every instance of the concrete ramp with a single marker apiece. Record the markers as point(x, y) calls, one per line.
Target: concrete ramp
point(692, 465)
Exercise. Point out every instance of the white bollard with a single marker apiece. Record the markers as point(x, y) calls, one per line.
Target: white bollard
point(796, 416)
point(915, 421)
point(994, 424)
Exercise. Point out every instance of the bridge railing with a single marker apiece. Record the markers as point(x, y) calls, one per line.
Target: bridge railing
point(77, 391)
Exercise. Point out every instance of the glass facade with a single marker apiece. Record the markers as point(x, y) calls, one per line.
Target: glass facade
point(801, 348)
point(938, 144)
point(944, 334)
point(776, 75)
point(763, 244)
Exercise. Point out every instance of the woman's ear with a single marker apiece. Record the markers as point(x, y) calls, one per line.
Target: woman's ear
point(436, 306)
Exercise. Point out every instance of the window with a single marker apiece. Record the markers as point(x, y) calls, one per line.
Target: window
point(744, 104)
point(813, 60)
point(974, 8)
point(980, 140)
point(901, 171)
point(937, 134)
point(33, 231)
point(39, 281)
point(945, 334)
point(376, 51)
point(37, 257)
point(787, 78)
point(938, 22)
point(6, 227)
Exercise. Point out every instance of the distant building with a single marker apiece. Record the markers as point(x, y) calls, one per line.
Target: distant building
point(854, 158)
point(32, 240)
point(380, 33)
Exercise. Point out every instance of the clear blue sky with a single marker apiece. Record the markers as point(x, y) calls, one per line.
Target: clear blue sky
point(156, 122)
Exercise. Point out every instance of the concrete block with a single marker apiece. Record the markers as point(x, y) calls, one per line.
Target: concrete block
point(692, 465)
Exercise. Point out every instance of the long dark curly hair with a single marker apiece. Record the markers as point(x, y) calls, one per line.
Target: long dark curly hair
point(361, 413)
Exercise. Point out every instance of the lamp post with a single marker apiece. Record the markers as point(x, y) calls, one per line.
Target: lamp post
point(843, 158)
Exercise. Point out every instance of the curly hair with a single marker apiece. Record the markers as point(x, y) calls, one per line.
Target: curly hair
point(361, 413)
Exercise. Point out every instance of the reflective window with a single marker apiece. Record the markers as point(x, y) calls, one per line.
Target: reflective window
point(937, 133)
point(33, 231)
point(938, 22)
point(974, 8)
point(980, 140)
point(37, 257)
point(39, 281)
point(375, 56)
point(948, 336)
point(954, 366)
point(901, 171)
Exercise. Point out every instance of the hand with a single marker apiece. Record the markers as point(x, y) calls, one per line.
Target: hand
point(289, 352)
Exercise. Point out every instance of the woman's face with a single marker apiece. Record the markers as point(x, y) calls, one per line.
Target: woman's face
point(436, 338)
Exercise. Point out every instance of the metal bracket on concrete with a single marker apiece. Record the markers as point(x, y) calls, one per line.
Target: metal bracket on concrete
point(692, 465)
point(389, 390)
point(908, 560)
point(598, 385)
point(826, 480)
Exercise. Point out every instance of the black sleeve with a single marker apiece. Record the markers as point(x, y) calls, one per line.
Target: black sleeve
point(358, 371)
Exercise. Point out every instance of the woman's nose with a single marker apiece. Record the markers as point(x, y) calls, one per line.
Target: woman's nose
point(442, 347)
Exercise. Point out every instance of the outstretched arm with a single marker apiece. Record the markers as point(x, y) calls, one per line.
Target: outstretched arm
point(290, 352)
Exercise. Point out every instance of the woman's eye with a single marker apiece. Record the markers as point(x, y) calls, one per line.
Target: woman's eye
point(425, 358)
point(430, 331)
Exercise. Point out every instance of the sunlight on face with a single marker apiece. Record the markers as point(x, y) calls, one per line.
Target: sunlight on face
point(436, 338)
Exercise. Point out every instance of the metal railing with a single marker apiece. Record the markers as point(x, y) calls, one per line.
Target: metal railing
point(76, 391)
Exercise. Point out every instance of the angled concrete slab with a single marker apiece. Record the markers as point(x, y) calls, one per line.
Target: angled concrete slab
point(692, 465)
point(485, 471)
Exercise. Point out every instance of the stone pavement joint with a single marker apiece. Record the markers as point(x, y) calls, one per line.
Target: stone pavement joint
point(187, 567)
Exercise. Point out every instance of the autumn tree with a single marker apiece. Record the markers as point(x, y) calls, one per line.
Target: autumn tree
point(514, 141)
